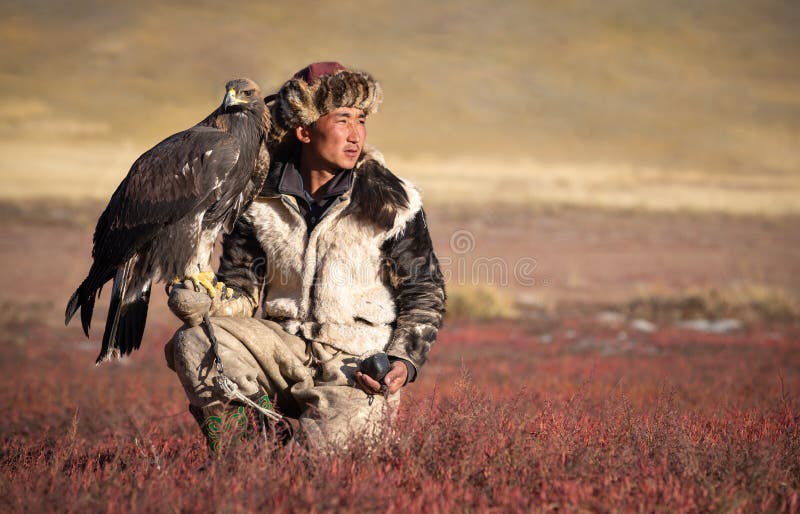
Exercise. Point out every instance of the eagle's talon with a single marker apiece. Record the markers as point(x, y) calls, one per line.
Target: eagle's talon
point(224, 290)
point(171, 284)
point(203, 280)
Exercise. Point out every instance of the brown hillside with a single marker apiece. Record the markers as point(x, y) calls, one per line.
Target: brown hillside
point(689, 84)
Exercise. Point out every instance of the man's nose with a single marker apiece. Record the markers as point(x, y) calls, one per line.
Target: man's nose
point(353, 136)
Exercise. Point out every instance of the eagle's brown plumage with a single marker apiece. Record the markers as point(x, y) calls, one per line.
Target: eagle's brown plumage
point(164, 217)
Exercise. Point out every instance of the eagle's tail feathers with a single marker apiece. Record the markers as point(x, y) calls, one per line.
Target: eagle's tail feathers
point(115, 309)
point(132, 322)
point(83, 298)
point(72, 306)
point(87, 308)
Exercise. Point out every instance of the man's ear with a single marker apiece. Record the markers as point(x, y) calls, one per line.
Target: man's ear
point(303, 134)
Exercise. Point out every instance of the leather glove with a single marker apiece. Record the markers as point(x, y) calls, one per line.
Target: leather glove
point(189, 305)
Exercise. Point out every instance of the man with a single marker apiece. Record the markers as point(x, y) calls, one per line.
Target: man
point(336, 252)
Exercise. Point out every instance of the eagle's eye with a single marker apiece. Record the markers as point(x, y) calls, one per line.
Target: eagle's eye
point(248, 93)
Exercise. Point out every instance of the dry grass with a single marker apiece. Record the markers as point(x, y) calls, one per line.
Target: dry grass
point(93, 170)
point(72, 172)
point(479, 303)
point(748, 303)
point(484, 183)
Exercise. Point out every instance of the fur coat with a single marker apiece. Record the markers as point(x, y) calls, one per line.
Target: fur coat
point(365, 278)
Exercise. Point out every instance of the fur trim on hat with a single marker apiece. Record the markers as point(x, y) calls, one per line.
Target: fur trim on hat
point(300, 103)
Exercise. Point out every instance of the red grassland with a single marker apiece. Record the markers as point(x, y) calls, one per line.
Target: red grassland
point(590, 419)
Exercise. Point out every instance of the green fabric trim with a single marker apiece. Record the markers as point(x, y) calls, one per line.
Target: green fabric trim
point(214, 426)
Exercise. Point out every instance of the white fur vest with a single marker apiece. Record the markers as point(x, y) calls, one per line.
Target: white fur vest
point(327, 285)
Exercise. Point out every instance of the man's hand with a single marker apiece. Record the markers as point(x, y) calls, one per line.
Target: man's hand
point(394, 380)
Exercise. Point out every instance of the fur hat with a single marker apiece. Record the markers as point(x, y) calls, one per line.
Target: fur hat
point(318, 89)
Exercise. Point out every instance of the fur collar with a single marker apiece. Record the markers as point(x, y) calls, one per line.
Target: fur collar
point(376, 194)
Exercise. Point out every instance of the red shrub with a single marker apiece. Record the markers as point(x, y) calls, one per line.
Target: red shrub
point(497, 421)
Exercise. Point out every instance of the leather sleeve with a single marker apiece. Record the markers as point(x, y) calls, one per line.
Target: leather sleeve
point(412, 269)
point(241, 267)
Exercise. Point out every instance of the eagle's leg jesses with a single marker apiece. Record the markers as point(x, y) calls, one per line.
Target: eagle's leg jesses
point(209, 330)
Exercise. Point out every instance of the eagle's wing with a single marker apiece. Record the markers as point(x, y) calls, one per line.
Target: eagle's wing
point(174, 178)
point(179, 175)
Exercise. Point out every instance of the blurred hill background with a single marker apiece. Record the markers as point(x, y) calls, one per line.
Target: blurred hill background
point(663, 105)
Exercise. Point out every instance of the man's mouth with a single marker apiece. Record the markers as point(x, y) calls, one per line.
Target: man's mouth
point(351, 152)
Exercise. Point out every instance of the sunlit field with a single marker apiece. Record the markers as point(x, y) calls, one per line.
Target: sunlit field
point(93, 170)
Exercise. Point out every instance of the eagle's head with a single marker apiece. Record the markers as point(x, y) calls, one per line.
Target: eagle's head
point(242, 94)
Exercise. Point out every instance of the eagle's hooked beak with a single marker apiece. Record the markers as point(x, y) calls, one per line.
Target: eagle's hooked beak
point(231, 99)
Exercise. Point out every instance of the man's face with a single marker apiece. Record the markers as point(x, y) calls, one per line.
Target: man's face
point(337, 138)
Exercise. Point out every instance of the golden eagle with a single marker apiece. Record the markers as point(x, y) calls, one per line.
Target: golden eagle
point(164, 218)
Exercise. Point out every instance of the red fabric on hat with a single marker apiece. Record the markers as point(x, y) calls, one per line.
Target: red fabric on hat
point(316, 70)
